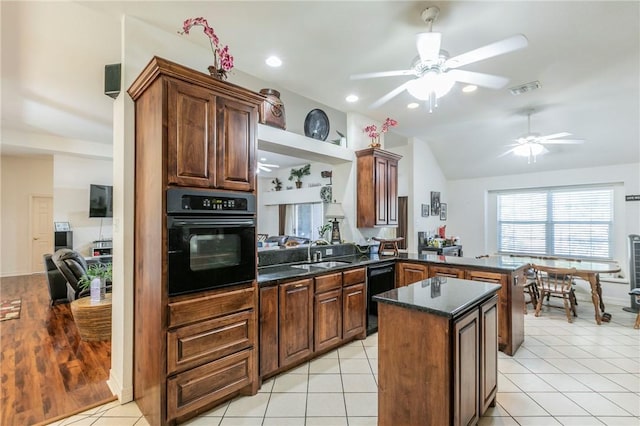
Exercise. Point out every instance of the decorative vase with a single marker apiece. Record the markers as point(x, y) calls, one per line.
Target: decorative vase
point(218, 74)
point(98, 289)
point(298, 184)
point(375, 142)
point(272, 109)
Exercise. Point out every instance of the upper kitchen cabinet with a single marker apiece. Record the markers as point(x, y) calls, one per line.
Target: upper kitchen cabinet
point(377, 188)
point(207, 127)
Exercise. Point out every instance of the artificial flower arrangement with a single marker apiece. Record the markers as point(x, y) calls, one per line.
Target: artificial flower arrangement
point(222, 59)
point(372, 131)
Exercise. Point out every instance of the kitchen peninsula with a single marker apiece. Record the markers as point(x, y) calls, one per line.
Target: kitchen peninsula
point(437, 352)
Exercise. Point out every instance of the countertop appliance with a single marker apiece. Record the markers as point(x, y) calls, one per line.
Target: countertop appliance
point(380, 278)
point(211, 239)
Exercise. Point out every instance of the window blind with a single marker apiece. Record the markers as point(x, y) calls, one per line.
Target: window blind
point(556, 221)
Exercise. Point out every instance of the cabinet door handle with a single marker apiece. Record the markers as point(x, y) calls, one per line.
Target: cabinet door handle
point(298, 285)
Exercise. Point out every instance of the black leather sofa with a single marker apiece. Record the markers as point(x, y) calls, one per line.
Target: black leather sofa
point(56, 281)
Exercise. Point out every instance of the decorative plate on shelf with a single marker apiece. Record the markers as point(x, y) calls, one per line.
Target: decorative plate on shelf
point(325, 194)
point(316, 125)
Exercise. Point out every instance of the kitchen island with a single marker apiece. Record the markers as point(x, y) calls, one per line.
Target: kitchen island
point(437, 352)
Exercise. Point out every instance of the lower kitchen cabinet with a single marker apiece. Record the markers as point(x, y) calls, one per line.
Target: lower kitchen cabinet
point(354, 311)
point(327, 319)
point(409, 273)
point(445, 271)
point(295, 321)
point(446, 372)
point(302, 318)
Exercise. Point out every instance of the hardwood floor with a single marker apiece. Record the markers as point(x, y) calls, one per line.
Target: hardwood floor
point(46, 371)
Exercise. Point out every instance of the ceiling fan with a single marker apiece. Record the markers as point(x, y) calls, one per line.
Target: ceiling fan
point(266, 167)
point(436, 73)
point(531, 144)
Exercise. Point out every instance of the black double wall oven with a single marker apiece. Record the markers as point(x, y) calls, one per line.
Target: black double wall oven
point(211, 239)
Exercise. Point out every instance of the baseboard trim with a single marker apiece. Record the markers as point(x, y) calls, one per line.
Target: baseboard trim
point(124, 394)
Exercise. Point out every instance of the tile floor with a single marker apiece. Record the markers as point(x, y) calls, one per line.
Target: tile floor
point(563, 374)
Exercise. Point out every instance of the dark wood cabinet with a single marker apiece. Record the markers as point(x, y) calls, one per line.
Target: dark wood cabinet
point(445, 271)
point(193, 351)
point(304, 318)
point(377, 187)
point(191, 138)
point(295, 321)
point(447, 369)
point(236, 147)
point(269, 335)
point(409, 273)
point(466, 369)
point(327, 319)
point(354, 311)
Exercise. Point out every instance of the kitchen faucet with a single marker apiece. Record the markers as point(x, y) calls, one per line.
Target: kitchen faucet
point(309, 251)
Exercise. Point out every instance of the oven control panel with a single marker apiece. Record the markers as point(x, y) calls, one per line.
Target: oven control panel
point(199, 202)
point(191, 200)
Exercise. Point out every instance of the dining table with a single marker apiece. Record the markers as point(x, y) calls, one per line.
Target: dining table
point(587, 270)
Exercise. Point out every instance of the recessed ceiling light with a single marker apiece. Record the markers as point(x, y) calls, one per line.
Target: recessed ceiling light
point(470, 88)
point(263, 159)
point(413, 105)
point(273, 61)
point(351, 98)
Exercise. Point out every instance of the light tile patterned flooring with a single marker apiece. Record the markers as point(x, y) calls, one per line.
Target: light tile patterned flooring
point(563, 374)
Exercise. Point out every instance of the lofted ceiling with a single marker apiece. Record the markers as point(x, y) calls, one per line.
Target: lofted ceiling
point(586, 56)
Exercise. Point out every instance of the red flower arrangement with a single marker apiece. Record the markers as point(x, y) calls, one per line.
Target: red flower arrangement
point(222, 59)
point(372, 131)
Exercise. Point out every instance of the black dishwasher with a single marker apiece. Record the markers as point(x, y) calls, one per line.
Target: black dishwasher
point(380, 278)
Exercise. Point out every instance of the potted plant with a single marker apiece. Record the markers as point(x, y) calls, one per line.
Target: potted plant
point(96, 280)
point(298, 173)
point(322, 230)
point(278, 183)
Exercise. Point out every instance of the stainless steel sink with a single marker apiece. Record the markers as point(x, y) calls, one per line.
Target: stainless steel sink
point(329, 264)
point(322, 265)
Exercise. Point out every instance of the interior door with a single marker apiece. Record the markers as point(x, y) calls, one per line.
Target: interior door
point(41, 230)
point(401, 230)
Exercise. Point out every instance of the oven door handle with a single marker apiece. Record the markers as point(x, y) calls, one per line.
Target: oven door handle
point(211, 222)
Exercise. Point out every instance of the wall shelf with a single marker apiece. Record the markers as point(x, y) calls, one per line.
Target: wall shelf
point(291, 196)
point(287, 143)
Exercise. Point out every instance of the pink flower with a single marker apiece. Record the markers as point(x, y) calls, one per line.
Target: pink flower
point(222, 59)
point(372, 129)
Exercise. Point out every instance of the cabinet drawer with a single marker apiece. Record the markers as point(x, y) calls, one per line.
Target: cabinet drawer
point(194, 389)
point(196, 344)
point(205, 307)
point(354, 276)
point(328, 282)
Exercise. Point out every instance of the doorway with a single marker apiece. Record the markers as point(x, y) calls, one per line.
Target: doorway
point(401, 230)
point(41, 226)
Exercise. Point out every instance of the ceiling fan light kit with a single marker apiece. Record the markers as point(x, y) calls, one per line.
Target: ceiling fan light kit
point(436, 74)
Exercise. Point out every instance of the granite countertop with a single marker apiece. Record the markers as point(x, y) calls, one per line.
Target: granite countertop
point(268, 274)
point(443, 296)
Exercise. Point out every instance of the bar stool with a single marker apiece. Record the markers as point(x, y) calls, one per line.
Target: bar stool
point(388, 244)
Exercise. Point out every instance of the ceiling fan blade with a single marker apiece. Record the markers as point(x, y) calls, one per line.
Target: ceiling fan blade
point(562, 142)
point(381, 74)
point(489, 51)
point(428, 45)
point(480, 79)
point(555, 136)
point(392, 94)
point(506, 152)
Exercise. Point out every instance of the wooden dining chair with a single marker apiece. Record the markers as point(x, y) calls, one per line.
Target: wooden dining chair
point(531, 289)
point(556, 282)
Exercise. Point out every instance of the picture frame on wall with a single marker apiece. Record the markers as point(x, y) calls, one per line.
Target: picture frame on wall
point(62, 226)
point(435, 203)
point(425, 210)
point(443, 211)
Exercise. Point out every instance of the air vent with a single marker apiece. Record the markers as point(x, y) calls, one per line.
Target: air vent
point(527, 87)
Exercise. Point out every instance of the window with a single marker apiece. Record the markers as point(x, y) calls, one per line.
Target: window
point(566, 222)
point(303, 220)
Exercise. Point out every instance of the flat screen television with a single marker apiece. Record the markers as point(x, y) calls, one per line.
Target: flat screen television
point(100, 201)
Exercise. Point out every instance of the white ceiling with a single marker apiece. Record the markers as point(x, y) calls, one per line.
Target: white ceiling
point(586, 56)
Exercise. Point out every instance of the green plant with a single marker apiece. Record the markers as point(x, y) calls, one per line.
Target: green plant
point(302, 171)
point(97, 270)
point(278, 183)
point(324, 229)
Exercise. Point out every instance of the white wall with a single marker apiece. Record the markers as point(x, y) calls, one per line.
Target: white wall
point(72, 176)
point(20, 178)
